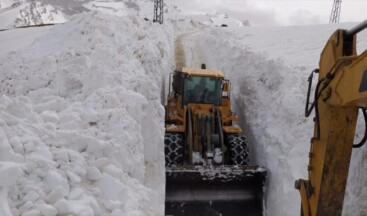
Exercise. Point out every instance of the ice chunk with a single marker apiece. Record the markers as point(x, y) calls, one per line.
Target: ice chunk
point(117, 212)
point(56, 194)
point(111, 189)
point(31, 196)
point(33, 212)
point(6, 152)
point(54, 180)
point(93, 173)
point(218, 156)
point(47, 210)
point(196, 158)
point(49, 116)
point(63, 206)
point(10, 172)
point(73, 177)
point(75, 193)
point(25, 207)
point(4, 206)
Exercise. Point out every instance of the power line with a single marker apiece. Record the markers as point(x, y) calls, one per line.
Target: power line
point(335, 12)
point(158, 11)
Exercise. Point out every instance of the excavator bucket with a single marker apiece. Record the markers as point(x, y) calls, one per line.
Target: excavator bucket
point(212, 191)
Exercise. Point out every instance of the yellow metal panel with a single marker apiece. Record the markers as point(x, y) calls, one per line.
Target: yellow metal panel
point(230, 118)
point(175, 117)
point(175, 128)
point(232, 129)
point(202, 72)
point(348, 80)
point(305, 205)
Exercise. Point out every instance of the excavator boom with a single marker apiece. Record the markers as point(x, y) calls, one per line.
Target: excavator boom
point(341, 90)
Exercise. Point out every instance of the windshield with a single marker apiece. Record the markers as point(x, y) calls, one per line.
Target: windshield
point(198, 89)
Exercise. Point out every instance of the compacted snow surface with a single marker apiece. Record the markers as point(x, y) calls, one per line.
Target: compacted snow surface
point(81, 115)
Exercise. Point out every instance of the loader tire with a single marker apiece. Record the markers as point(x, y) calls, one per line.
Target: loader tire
point(238, 150)
point(173, 149)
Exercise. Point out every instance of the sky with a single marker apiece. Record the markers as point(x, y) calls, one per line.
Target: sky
point(278, 12)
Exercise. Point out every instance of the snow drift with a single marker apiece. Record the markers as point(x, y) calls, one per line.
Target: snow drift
point(82, 121)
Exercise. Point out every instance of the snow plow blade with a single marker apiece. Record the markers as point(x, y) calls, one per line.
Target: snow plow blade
point(211, 191)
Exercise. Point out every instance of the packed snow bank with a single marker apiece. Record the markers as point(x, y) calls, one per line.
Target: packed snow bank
point(268, 68)
point(81, 114)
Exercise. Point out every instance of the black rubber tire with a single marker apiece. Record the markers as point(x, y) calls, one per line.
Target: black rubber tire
point(238, 150)
point(173, 149)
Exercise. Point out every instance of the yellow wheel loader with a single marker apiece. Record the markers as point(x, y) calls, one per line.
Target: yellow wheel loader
point(207, 161)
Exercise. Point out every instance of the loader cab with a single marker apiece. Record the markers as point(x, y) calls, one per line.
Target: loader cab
point(201, 90)
point(200, 86)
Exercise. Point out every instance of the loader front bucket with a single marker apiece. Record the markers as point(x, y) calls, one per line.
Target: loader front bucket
point(211, 191)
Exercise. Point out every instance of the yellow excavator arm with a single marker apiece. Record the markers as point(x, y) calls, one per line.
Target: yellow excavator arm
point(341, 90)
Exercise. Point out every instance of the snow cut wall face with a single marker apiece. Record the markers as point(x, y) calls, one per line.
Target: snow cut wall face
point(81, 114)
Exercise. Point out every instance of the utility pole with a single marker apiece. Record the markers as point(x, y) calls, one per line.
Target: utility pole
point(335, 12)
point(158, 11)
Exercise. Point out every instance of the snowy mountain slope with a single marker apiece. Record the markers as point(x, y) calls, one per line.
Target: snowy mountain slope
point(5, 3)
point(81, 113)
point(15, 13)
point(268, 68)
point(29, 13)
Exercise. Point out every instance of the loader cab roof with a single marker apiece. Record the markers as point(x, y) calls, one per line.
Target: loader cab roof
point(202, 72)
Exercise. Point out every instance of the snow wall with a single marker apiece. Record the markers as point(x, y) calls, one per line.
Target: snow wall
point(268, 95)
point(81, 119)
